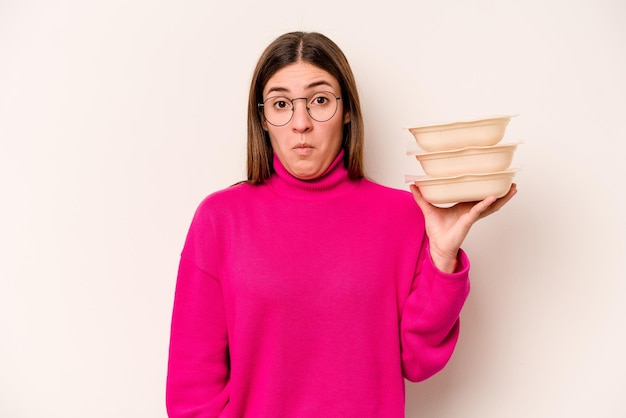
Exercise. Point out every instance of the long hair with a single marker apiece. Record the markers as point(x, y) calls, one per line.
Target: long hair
point(318, 50)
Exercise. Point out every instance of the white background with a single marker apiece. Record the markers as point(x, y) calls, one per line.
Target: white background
point(118, 117)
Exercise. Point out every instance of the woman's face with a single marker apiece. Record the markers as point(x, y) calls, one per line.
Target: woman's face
point(304, 146)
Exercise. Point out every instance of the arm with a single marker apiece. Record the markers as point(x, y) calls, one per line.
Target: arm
point(430, 317)
point(447, 227)
point(197, 380)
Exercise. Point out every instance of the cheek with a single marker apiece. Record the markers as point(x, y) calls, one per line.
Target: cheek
point(275, 138)
point(339, 128)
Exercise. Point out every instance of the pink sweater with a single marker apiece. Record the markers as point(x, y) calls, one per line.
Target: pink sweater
point(308, 299)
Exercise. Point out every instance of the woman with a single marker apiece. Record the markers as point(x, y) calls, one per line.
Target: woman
point(309, 290)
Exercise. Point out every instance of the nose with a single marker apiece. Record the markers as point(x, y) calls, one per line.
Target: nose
point(301, 121)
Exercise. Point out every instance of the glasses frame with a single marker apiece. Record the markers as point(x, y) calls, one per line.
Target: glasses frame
point(293, 107)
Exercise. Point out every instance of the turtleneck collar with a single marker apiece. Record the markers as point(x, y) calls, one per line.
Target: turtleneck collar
point(333, 182)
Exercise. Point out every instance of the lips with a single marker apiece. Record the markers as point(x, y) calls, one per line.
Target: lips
point(303, 149)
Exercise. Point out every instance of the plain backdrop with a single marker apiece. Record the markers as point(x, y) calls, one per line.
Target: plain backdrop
point(118, 117)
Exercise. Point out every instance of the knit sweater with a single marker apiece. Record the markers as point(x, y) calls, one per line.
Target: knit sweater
point(308, 299)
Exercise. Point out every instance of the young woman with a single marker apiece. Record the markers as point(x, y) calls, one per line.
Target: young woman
point(309, 290)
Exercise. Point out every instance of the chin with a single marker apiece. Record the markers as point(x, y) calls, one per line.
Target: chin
point(306, 175)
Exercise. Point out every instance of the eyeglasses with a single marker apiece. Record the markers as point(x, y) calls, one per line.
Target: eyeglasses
point(321, 107)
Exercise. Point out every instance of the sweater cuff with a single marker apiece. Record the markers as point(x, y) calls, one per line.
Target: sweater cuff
point(462, 266)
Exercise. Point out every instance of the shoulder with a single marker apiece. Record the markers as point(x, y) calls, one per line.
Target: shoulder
point(390, 200)
point(229, 195)
point(224, 200)
point(377, 190)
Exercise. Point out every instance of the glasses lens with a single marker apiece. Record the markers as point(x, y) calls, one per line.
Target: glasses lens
point(278, 110)
point(322, 106)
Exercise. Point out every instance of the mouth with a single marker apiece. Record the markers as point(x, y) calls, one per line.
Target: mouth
point(303, 149)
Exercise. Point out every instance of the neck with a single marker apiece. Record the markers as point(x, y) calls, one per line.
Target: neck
point(332, 182)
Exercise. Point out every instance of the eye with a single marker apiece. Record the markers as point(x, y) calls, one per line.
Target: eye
point(320, 99)
point(279, 103)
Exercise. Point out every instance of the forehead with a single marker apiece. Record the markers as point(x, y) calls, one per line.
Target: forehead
point(301, 77)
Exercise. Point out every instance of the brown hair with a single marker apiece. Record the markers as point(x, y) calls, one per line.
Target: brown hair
point(318, 50)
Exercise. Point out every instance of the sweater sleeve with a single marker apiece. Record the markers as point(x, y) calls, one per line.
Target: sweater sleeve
point(430, 317)
point(198, 367)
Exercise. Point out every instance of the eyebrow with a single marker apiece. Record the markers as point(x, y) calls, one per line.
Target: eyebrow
point(309, 86)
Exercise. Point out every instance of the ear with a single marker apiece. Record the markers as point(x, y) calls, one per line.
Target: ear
point(346, 117)
point(264, 124)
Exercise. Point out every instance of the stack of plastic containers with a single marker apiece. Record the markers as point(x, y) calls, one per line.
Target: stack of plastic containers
point(463, 161)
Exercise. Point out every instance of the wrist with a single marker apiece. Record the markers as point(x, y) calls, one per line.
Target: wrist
point(445, 263)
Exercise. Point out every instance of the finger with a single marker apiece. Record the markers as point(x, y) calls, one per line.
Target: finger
point(480, 209)
point(419, 198)
point(504, 199)
point(500, 202)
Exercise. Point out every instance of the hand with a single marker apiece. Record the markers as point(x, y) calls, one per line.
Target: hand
point(447, 227)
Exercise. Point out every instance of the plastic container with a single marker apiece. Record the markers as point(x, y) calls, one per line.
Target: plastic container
point(455, 135)
point(469, 160)
point(463, 188)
